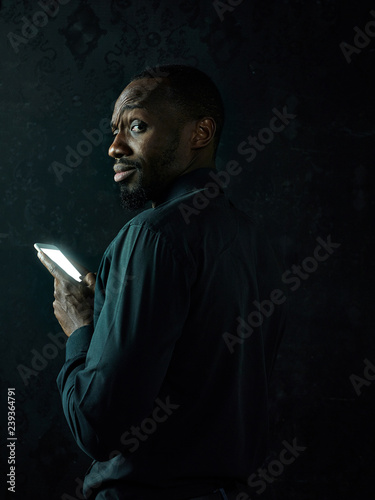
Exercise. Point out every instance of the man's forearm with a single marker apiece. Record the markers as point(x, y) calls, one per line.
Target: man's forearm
point(75, 361)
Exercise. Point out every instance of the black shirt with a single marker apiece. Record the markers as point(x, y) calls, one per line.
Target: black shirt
point(167, 390)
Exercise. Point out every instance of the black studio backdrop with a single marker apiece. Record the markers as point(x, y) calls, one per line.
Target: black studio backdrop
point(310, 181)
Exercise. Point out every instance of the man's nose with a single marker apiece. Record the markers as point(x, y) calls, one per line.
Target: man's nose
point(119, 147)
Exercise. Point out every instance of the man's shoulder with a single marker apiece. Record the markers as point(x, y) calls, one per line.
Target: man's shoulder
point(170, 214)
point(162, 224)
point(192, 214)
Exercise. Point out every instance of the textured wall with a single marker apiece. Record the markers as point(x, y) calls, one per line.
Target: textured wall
point(312, 179)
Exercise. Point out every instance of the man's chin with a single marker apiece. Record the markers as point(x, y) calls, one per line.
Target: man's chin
point(134, 200)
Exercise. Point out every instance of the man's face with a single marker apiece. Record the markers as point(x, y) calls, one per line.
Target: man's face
point(150, 145)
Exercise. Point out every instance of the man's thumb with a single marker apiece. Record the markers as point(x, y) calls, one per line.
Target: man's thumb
point(90, 280)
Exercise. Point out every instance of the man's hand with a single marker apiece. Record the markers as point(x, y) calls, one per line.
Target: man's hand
point(74, 301)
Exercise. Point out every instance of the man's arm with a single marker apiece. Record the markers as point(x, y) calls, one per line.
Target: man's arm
point(114, 371)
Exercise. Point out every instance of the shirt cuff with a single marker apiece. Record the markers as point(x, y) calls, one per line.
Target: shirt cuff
point(78, 342)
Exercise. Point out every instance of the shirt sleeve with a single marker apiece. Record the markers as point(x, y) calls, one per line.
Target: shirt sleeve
point(114, 369)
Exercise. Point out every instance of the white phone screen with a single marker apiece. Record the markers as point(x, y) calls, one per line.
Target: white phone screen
point(60, 259)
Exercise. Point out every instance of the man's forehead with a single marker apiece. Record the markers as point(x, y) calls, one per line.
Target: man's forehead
point(137, 94)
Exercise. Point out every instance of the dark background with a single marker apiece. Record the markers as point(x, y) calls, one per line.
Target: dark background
point(312, 180)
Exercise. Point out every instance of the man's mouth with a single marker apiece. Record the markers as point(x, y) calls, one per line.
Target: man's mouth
point(122, 172)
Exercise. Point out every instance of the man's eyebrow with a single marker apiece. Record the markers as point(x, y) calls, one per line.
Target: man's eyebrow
point(131, 106)
point(126, 107)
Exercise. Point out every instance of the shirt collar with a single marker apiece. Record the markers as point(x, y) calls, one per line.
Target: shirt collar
point(196, 179)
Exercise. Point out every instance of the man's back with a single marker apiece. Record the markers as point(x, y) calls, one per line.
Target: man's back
point(207, 340)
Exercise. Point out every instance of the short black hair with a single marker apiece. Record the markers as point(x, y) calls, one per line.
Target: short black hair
point(192, 91)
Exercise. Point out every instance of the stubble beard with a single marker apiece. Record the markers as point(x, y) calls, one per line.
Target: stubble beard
point(136, 197)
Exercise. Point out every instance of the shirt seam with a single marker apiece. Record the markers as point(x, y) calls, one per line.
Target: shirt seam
point(163, 237)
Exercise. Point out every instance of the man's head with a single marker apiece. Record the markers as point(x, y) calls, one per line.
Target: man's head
point(166, 122)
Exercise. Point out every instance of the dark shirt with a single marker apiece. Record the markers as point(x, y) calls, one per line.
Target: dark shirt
point(167, 391)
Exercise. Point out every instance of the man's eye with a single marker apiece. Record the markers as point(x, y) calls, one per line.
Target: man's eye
point(138, 126)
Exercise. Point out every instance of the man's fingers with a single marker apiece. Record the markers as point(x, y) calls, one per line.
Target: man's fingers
point(90, 280)
point(53, 268)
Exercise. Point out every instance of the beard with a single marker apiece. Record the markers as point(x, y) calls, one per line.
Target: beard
point(135, 198)
point(159, 177)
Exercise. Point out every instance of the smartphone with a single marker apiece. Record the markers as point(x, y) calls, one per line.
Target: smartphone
point(59, 258)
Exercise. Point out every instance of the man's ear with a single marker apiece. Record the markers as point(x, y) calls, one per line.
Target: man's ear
point(203, 133)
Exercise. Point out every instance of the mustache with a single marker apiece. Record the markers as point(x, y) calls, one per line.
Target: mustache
point(127, 163)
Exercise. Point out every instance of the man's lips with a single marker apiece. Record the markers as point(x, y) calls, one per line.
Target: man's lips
point(122, 172)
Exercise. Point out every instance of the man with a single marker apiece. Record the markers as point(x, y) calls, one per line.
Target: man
point(165, 383)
